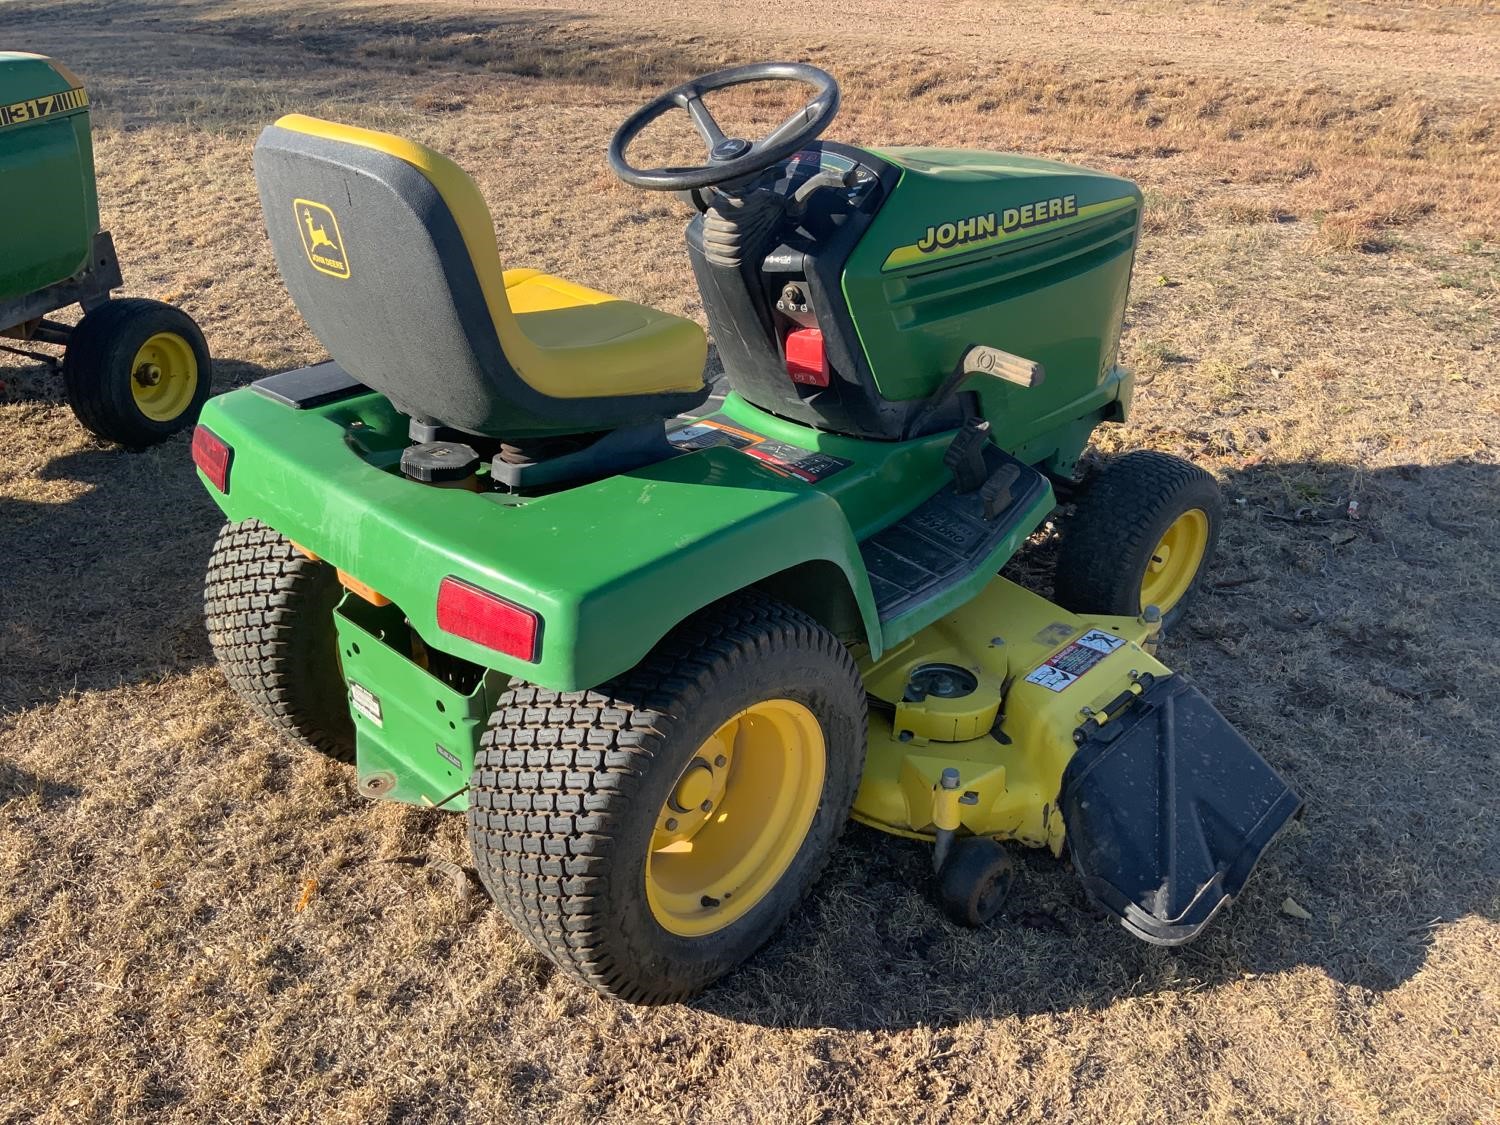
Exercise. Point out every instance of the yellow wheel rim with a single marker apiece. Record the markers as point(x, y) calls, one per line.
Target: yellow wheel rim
point(164, 376)
point(736, 818)
point(1175, 561)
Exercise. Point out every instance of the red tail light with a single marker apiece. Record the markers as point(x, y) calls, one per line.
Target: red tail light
point(213, 456)
point(487, 619)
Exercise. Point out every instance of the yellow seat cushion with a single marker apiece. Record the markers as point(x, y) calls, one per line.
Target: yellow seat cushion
point(590, 343)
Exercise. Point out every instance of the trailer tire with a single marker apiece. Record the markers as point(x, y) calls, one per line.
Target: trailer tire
point(1111, 558)
point(571, 817)
point(136, 371)
point(269, 613)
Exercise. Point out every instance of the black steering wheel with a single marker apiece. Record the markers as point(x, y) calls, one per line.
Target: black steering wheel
point(729, 158)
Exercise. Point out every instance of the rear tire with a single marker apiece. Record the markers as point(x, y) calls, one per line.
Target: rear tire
point(575, 797)
point(1110, 559)
point(136, 371)
point(269, 613)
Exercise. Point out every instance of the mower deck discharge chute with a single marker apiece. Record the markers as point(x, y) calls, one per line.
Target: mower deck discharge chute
point(496, 554)
point(1168, 808)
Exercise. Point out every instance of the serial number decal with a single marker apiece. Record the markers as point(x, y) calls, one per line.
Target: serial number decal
point(366, 702)
point(781, 458)
point(45, 105)
point(973, 232)
point(1069, 663)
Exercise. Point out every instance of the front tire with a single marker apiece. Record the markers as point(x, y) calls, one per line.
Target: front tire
point(1142, 533)
point(651, 834)
point(269, 613)
point(136, 371)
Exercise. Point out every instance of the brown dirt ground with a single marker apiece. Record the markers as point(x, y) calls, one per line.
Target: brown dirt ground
point(1315, 320)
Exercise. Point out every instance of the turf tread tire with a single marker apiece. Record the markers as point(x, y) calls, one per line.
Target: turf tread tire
point(564, 780)
point(97, 371)
point(1117, 521)
point(269, 613)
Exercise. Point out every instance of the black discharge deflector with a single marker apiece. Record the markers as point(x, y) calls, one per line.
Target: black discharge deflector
point(1168, 809)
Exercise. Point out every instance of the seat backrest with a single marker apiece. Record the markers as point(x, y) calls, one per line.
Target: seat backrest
point(388, 250)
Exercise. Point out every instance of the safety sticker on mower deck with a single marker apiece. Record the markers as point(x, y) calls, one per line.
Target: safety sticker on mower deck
point(366, 702)
point(778, 456)
point(1067, 664)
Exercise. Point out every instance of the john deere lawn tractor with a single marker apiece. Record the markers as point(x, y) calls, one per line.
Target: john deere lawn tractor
point(136, 371)
point(500, 555)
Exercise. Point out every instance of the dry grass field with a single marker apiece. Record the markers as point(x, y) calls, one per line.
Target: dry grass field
point(199, 923)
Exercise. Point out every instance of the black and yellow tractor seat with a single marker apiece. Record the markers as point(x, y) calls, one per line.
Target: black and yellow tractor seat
point(389, 252)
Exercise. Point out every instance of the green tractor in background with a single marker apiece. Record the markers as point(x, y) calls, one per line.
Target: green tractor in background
point(136, 370)
point(500, 554)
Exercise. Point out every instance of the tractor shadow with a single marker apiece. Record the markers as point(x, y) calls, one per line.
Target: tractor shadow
point(102, 550)
point(17, 784)
point(1357, 655)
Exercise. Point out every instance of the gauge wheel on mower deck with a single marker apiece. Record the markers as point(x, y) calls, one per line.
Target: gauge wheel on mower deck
point(1142, 533)
point(975, 880)
point(269, 612)
point(136, 371)
point(650, 834)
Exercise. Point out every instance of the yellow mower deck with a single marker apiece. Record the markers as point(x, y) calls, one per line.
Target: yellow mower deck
point(1015, 720)
point(1051, 670)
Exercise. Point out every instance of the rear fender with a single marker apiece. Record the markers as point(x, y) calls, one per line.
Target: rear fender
point(611, 567)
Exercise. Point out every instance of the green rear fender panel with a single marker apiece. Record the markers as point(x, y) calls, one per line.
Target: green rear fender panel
point(609, 566)
point(51, 208)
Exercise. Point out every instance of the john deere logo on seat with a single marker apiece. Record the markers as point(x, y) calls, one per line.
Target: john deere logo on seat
point(321, 238)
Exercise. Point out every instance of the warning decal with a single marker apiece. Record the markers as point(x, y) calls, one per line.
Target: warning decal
point(707, 432)
point(1069, 663)
point(778, 456)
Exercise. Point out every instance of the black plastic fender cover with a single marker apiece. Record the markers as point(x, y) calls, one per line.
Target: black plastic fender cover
point(1167, 810)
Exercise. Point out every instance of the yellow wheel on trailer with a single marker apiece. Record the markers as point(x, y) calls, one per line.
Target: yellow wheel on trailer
point(136, 371)
point(164, 376)
point(650, 834)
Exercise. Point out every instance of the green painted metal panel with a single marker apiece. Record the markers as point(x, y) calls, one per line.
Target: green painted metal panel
point(610, 566)
point(885, 481)
point(415, 736)
point(51, 208)
point(1026, 255)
